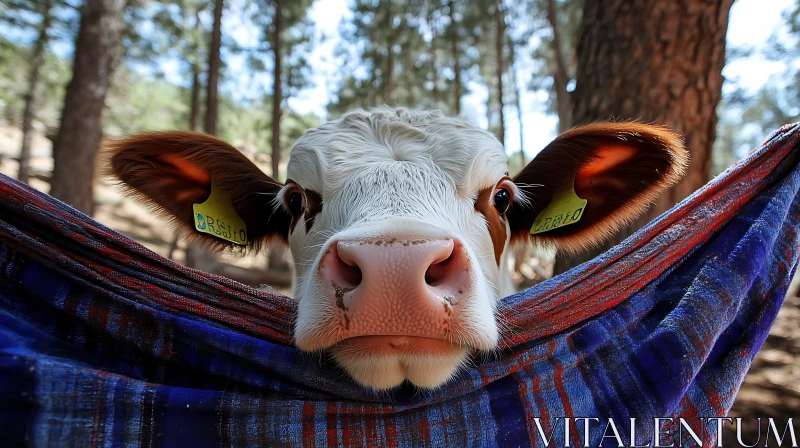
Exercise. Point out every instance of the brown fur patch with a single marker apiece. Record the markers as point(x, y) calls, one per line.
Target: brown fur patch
point(619, 168)
point(494, 222)
point(173, 170)
point(313, 208)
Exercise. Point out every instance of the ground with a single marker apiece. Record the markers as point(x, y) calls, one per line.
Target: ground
point(771, 388)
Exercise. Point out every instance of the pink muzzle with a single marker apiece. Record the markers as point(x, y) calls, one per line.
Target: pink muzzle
point(396, 287)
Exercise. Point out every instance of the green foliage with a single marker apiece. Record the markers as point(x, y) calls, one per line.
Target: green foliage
point(139, 103)
point(136, 103)
point(297, 39)
point(13, 84)
point(402, 53)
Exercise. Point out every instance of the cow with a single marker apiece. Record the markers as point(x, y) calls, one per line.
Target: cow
point(399, 222)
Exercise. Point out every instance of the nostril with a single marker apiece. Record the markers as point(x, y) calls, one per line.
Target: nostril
point(351, 276)
point(449, 269)
point(438, 272)
point(345, 270)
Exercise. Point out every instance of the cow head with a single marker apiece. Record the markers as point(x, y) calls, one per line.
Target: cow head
point(399, 220)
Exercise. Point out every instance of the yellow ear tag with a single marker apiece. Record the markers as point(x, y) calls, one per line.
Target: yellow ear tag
point(566, 208)
point(217, 217)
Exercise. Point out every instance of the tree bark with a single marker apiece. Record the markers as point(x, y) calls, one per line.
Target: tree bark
point(194, 111)
point(214, 63)
point(81, 129)
point(388, 87)
point(560, 76)
point(277, 89)
point(434, 72)
point(194, 100)
point(31, 97)
point(518, 103)
point(654, 61)
point(498, 47)
point(277, 259)
point(456, 58)
point(388, 94)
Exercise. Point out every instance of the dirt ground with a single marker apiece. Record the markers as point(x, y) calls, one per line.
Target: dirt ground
point(771, 388)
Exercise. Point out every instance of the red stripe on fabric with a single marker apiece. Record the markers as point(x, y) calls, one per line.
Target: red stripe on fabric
point(309, 432)
point(558, 377)
point(345, 422)
point(390, 427)
point(330, 420)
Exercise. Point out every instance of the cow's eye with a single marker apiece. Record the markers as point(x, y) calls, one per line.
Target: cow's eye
point(295, 203)
point(502, 199)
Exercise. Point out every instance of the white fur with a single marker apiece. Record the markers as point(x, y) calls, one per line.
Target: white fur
point(397, 172)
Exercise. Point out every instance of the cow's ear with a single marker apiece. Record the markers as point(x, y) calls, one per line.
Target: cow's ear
point(619, 169)
point(173, 171)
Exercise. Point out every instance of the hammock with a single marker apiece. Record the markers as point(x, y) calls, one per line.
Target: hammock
point(103, 342)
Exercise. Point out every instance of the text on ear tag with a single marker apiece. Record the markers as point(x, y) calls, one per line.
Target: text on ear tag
point(217, 217)
point(566, 208)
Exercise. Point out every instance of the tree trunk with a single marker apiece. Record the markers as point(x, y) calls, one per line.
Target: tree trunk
point(456, 58)
point(194, 111)
point(655, 61)
point(388, 94)
point(194, 101)
point(388, 87)
point(214, 63)
point(432, 50)
point(518, 103)
point(498, 47)
point(277, 89)
point(411, 98)
point(560, 76)
point(198, 257)
point(81, 129)
point(372, 90)
point(277, 259)
point(37, 61)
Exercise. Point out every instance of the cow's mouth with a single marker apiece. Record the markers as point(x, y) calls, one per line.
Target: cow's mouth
point(393, 345)
point(383, 362)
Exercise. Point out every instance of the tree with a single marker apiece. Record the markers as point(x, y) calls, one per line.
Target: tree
point(453, 35)
point(748, 118)
point(46, 20)
point(499, 45)
point(286, 28)
point(79, 136)
point(555, 25)
point(182, 36)
point(560, 64)
point(654, 61)
point(277, 87)
point(391, 55)
point(291, 36)
point(37, 61)
point(196, 256)
point(214, 64)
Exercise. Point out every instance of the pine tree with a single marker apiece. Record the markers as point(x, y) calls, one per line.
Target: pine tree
point(79, 136)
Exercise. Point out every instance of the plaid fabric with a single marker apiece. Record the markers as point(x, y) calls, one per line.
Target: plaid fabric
point(103, 342)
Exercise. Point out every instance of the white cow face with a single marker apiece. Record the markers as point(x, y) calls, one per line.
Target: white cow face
point(399, 220)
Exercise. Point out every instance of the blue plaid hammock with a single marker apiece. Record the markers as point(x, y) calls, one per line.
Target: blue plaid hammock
point(103, 342)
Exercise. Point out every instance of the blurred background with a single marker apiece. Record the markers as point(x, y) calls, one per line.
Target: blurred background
point(260, 73)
